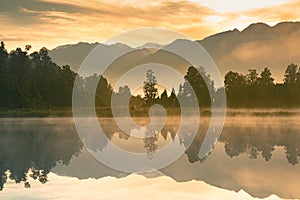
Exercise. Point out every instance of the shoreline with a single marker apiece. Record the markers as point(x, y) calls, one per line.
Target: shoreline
point(106, 113)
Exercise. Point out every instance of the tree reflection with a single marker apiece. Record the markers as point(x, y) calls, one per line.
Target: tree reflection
point(150, 145)
point(256, 141)
point(31, 149)
point(252, 140)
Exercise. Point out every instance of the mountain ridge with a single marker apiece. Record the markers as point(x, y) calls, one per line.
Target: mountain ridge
point(257, 46)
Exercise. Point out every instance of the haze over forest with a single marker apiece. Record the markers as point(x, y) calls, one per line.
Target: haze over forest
point(257, 46)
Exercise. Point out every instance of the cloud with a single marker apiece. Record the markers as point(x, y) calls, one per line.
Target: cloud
point(239, 6)
point(97, 20)
point(270, 14)
point(58, 22)
point(27, 12)
point(286, 12)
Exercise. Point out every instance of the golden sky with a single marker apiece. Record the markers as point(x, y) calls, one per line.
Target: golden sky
point(55, 22)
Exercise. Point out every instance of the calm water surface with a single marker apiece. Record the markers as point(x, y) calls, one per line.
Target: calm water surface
point(257, 154)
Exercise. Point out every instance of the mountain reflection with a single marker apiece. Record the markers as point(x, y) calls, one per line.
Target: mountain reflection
point(31, 148)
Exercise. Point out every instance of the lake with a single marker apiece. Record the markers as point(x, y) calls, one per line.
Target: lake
point(255, 157)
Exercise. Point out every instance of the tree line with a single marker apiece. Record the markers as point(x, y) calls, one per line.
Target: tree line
point(254, 90)
point(35, 81)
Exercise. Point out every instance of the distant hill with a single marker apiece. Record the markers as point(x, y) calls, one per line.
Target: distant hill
point(71, 54)
point(74, 54)
point(257, 46)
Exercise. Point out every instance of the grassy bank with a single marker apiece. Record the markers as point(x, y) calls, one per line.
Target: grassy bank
point(53, 112)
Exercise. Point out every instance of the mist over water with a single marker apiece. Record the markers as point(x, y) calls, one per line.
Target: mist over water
point(256, 152)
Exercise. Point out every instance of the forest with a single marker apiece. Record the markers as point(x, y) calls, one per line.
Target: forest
point(34, 81)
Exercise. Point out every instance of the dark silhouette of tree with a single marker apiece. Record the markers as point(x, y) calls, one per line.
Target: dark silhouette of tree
point(298, 78)
point(197, 82)
point(103, 93)
point(201, 83)
point(125, 91)
point(172, 99)
point(234, 86)
point(27, 47)
point(3, 76)
point(234, 80)
point(252, 77)
point(164, 99)
point(35, 81)
point(54, 84)
point(290, 75)
point(265, 90)
point(120, 98)
point(254, 91)
point(185, 92)
point(136, 103)
point(265, 78)
point(150, 91)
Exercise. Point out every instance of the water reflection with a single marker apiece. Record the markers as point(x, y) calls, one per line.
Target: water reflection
point(31, 148)
point(260, 136)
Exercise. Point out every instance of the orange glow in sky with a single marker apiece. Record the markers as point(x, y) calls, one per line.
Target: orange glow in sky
point(55, 22)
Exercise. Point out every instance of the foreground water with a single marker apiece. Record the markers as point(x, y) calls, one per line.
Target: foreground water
point(254, 155)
